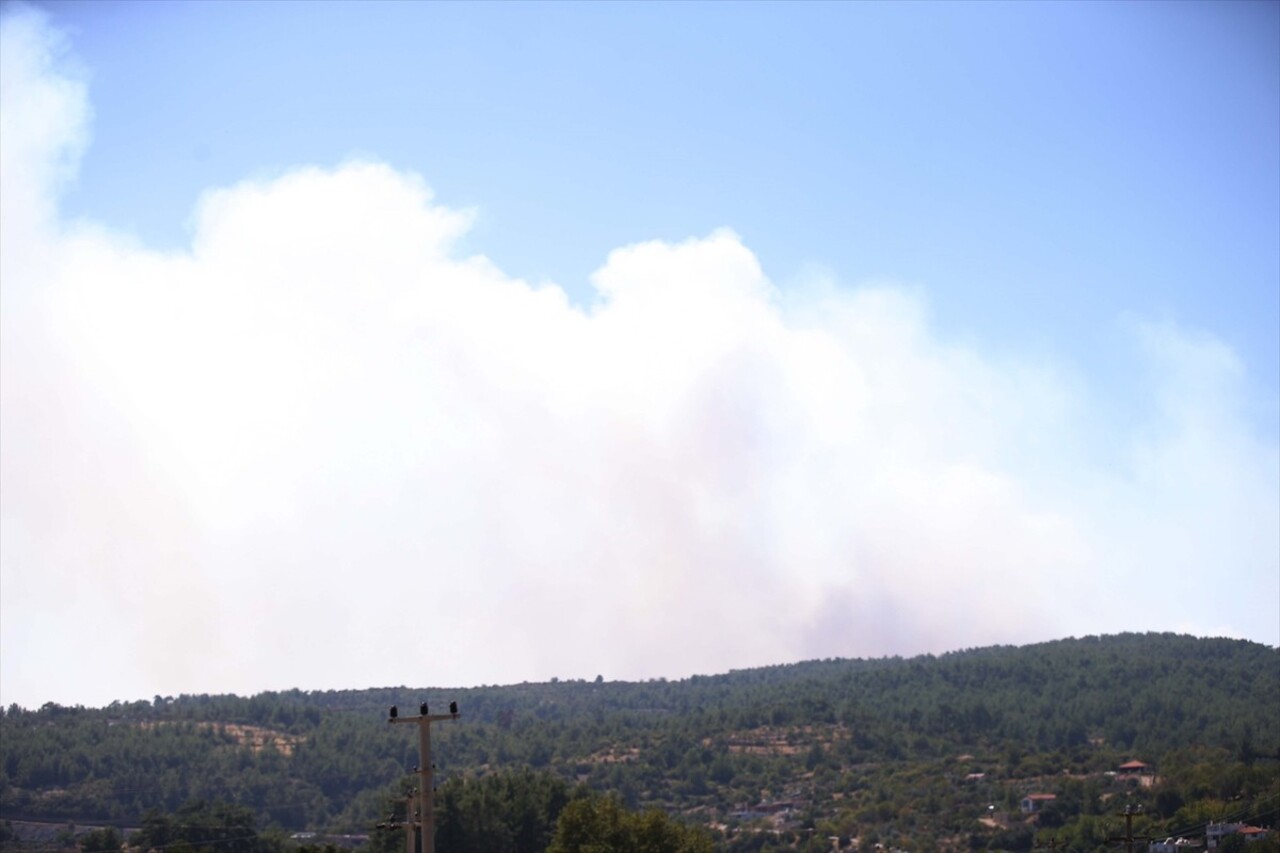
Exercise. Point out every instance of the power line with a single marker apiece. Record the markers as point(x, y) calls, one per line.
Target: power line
point(1242, 815)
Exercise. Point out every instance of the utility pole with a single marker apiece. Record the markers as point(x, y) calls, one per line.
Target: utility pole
point(1128, 836)
point(409, 823)
point(426, 792)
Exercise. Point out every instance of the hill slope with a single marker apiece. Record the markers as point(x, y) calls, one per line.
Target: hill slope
point(926, 742)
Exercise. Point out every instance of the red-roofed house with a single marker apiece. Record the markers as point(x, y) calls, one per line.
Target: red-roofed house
point(1215, 832)
point(1033, 803)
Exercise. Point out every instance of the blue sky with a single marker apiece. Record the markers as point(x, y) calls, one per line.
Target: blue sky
point(1040, 241)
point(1040, 170)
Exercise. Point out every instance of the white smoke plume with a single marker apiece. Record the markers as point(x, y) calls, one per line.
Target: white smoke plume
point(320, 448)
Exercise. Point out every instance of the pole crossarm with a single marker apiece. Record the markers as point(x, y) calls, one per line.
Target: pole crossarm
point(430, 718)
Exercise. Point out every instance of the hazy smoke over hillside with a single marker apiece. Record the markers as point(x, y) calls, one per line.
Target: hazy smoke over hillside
point(322, 448)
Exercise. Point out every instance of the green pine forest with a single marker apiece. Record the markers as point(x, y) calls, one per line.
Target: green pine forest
point(914, 754)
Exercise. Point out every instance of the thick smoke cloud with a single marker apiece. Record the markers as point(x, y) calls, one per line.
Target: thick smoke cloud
point(322, 448)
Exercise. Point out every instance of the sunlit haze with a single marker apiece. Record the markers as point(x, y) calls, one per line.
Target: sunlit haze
point(348, 345)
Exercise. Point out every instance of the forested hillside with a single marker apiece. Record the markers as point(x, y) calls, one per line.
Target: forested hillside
point(920, 753)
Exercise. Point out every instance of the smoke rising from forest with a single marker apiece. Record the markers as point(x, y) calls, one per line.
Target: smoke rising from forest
point(322, 447)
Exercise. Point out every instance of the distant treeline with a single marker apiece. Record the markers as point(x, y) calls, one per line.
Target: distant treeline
point(879, 747)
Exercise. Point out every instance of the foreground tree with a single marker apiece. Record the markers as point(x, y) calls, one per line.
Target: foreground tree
point(602, 825)
point(219, 827)
point(106, 840)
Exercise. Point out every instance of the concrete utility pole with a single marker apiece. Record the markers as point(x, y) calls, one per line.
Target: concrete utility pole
point(1128, 836)
point(426, 792)
point(409, 823)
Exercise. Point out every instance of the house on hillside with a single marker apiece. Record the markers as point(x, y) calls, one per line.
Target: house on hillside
point(1137, 771)
point(1215, 832)
point(1174, 845)
point(1253, 833)
point(1033, 803)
